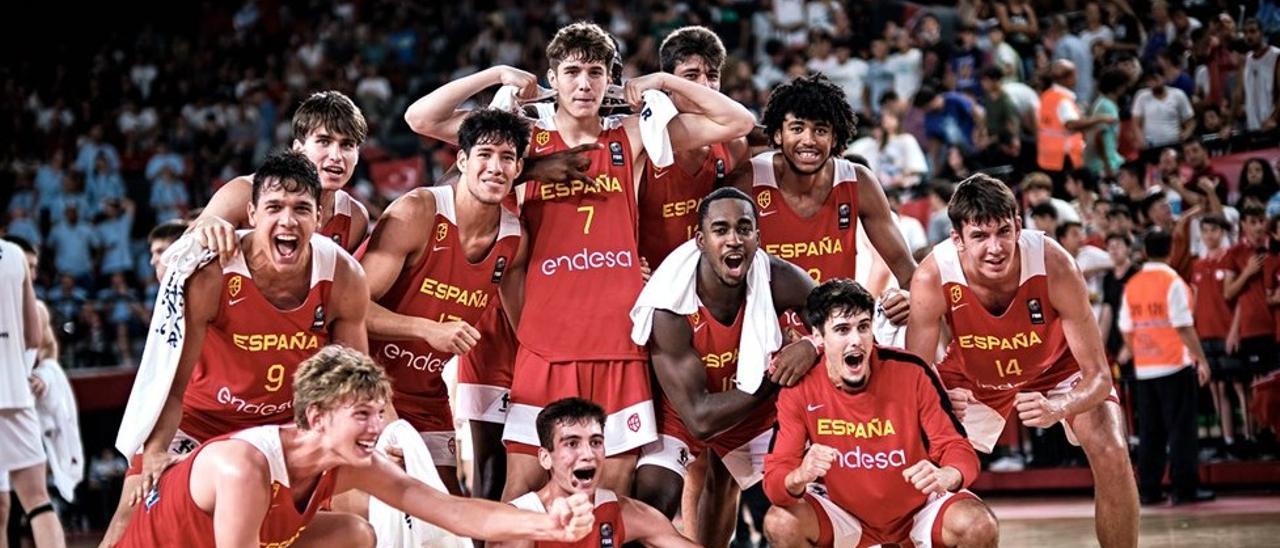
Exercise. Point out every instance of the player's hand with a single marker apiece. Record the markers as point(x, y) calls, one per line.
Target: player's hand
point(522, 79)
point(1034, 409)
point(1202, 372)
point(635, 87)
point(960, 400)
point(153, 464)
point(1233, 342)
point(646, 271)
point(1255, 265)
point(931, 480)
point(573, 516)
point(217, 235)
point(793, 362)
point(896, 304)
point(456, 337)
point(560, 167)
point(817, 461)
point(395, 454)
point(37, 385)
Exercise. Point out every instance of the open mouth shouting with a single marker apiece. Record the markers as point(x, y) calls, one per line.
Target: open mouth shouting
point(286, 247)
point(584, 478)
point(365, 447)
point(735, 263)
point(855, 362)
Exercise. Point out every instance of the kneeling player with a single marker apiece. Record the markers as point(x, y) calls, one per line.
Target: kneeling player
point(263, 486)
point(888, 460)
point(571, 432)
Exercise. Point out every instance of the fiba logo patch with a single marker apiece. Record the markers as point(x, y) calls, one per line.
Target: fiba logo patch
point(764, 199)
point(499, 266)
point(615, 153)
point(317, 321)
point(234, 284)
point(844, 216)
point(633, 422)
point(956, 294)
point(542, 138)
point(720, 169)
point(442, 230)
point(1035, 311)
point(337, 239)
point(606, 535)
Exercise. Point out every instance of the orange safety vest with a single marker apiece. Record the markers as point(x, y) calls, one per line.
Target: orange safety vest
point(1053, 140)
point(1157, 345)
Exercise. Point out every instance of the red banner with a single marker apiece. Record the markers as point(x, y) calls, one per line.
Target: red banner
point(396, 177)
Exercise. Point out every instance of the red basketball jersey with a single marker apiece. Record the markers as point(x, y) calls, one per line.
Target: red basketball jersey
point(339, 226)
point(717, 346)
point(169, 517)
point(1212, 315)
point(442, 286)
point(245, 374)
point(609, 530)
point(584, 267)
point(669, 199)
point(825, 244)
point(1002, 351)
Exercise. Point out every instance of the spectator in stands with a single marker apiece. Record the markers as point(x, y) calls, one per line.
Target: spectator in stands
point(1002, 55)
point(1069, 47)
point(1256, 100)
point(72, 194)
point(1258, 186)
point(164, 157)
point(1059, 135)
point(123, 311)
point(939, 228)
point(894, 155)
point(1037, 189)
point(72, 243)
point(1082, 187)
point(103, 184)
point(907, 61)
point(1092, 261)
point(1156, 212)
point(1102, 150)
point(1121, 219)
point(1095, 30)
point(1252, 335)
point(65, 301)
point(1021, 28)
point(1002, 115)
point(966, 63)
point(91, 146)
point(879, 77)
point(169, 198)
point(113, 231)
point(1043, 218)
point(22, 225)
point(94, 344)
point(1120, 250)
point(951, 120)
point(850, 73)
point(1163, 114)
point(1169, 65)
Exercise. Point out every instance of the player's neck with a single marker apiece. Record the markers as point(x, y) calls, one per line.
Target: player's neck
point(552, 491)
point(722, 300)
point(577, 131)
point(266, 273)
point(327, 200)
point(795, 182)
point(305, 457)
point(476, 220)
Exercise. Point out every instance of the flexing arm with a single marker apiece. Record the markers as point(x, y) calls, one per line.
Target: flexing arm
point(882, 230)
point(469, 517)
point(716, 117)
point(435, 115)
point(1069, 297)
point(683, 378)
point(647, 525)
point(351, 306)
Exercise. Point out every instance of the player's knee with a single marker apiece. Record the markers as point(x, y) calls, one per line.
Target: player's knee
point(29, 485)
point(981, 528)
point(782, 528)
point(356, 532)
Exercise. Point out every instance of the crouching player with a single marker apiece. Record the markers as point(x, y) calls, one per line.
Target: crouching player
point(888, 461)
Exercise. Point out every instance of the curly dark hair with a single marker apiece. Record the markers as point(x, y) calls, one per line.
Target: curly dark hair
point(290, 171)
point(493, 126)
point(815, 98)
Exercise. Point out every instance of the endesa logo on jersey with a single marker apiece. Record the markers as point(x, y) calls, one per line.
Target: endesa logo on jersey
point(588, 260)
point(872, 460)
point(422, 362)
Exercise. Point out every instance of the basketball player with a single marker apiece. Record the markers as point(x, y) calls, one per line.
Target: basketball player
point(696, 361)
point(431, 285)
point(263, 486)
point(810, 199)
point(572, 451)
point(583, 235)
point(1017, 345)
point(329, 129)
point(887, 461)
point(22, 455)
point(251, 321)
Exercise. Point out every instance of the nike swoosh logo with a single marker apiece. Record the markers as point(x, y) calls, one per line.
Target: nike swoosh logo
point(436, 248)
point(540, 150)
point(812, 407)
point(660, 174)
point(767, 213)
point(234, 302)
point(959, 306)
point(699, 327)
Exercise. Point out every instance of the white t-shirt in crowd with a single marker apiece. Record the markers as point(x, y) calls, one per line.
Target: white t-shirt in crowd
point(1162, 118)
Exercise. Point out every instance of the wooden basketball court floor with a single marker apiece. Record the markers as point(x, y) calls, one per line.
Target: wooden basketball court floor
point(1236, 521)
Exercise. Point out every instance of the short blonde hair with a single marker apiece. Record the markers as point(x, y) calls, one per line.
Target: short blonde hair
point(334, 376)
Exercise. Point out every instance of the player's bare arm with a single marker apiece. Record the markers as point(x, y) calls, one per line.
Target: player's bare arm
point(567, 520)
point(203, 293)
point(683, 378)
point(234, 482)
point(924, 325)
point(882, 231)
point(216, 226)
point(646, 525)
point(1070, 298)
point(351, 305)
point(790, 289)
point(719, 119)
point(511, 288)
point(436, 114)
point(32, 332)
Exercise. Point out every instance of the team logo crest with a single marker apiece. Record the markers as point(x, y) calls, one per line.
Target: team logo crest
point(234, 285)
point(1035, 311)
point(764, 199)
point(442, 230)
point(633, 422)
point(845, 216)
point(956, 294)
point(606, 535)
point(317, 322)
point(696, 317)
point(542, 138)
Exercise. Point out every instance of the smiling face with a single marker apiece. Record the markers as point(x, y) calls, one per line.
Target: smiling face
point(989, 246)
point(283, 223)
point(350, 431)
point(848, 342)
point(806, 144)
point(334, 154)
point(729, 239)
point(575, 457)
point(489, 169)
point(580, 86)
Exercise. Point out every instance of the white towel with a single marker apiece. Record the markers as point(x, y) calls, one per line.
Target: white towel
point(673, 287)
point(392, 527)
point(164, 345)
point(60, 426)
point(658, 110)
point(507, 98)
